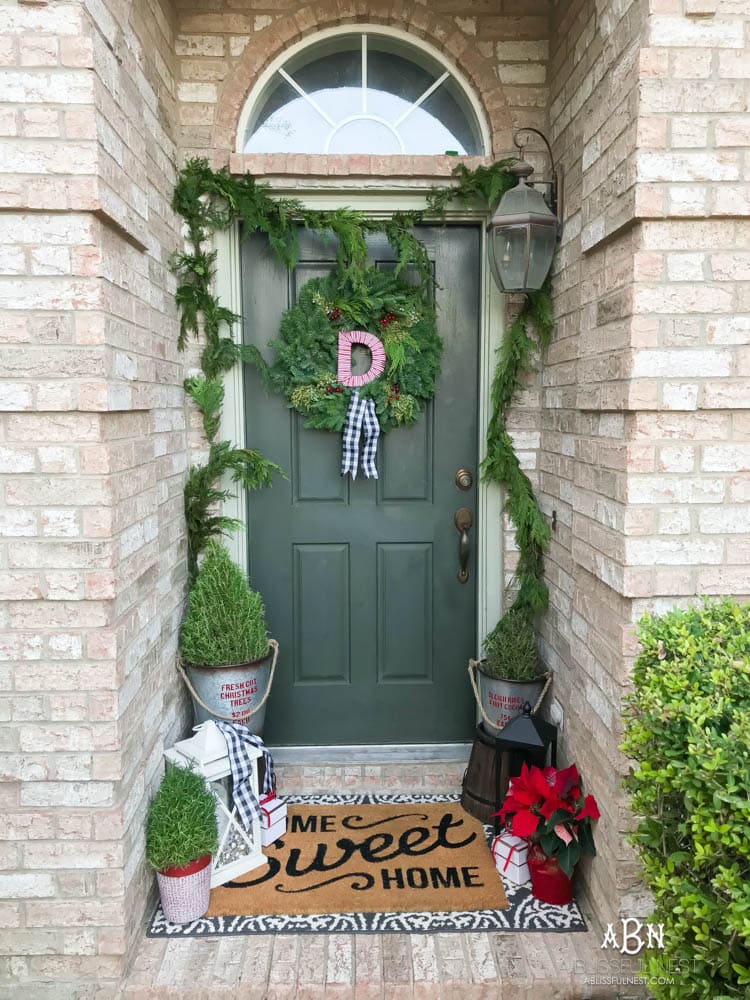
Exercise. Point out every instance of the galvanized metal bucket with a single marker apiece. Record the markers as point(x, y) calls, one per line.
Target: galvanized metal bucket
point(233, 693)
point(500, 701)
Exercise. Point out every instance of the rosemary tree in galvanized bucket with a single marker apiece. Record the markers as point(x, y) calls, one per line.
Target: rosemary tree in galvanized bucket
point(511, 672)
point(228, 660)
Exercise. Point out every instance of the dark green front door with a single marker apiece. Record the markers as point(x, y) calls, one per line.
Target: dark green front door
point(360, 578)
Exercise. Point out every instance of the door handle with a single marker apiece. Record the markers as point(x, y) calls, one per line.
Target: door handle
point(463, 520)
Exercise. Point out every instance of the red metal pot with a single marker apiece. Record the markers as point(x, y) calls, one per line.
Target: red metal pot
point(549, 883)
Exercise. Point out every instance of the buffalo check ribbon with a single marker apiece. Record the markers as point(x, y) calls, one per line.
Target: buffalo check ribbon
point(361, 419)
point(237, 736)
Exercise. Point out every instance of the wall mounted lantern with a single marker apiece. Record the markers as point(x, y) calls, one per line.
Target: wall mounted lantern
point(525, 228)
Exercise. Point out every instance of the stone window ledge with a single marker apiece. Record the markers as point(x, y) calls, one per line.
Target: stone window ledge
point(372, 166)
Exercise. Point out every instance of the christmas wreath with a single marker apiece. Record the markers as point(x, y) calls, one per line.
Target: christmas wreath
point(307, 364)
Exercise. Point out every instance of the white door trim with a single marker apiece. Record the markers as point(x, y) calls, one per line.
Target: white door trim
point(232, 427)
point(489, 561)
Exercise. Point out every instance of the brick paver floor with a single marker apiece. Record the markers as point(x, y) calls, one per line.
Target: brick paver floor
point(501, 966)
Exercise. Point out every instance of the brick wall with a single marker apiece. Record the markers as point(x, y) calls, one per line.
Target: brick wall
point(644, 446)
point(222, 52)
point(92, 459)
point(690, 362)
point(636, 431)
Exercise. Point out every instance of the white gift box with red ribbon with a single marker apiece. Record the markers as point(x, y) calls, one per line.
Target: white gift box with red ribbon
point(272, 819)
point(510, 854)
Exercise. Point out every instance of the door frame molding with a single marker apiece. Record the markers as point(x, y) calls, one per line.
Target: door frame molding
point(381, 203)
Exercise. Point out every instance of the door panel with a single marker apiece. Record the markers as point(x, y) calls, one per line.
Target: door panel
point(405, 611)
point(359, 578)
point(406, 461)
point(321, 635)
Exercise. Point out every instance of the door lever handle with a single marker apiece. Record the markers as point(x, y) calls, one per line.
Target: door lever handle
point(463, 520)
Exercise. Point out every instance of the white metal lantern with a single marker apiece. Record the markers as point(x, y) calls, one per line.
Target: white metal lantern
point(239, 849)
point(523, 232)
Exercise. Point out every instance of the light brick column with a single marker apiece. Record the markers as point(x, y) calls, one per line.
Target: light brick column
point(92, 460)
point(690, 363)
point(645, 440)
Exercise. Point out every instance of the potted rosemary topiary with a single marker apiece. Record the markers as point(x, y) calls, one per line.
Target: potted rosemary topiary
point(227, 656)
point(511, 672)
point(181, 836)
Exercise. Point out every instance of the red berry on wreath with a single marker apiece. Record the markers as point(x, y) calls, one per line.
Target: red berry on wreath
point(329, 389)
point(334, 314)
point(339, 389)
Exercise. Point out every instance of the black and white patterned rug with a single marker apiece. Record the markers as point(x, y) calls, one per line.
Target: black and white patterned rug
point(524, 913)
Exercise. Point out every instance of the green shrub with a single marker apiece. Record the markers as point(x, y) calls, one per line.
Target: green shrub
point(181, 823)
point(511, 650)
point(688, 731)
point(225, 621)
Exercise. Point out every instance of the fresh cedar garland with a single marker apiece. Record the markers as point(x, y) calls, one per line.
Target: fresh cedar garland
point(210, 200)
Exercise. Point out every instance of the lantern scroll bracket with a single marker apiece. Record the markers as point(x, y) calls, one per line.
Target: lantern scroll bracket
point(554, 196)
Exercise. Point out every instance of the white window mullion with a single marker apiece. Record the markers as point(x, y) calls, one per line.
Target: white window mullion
point(422, 99)
point(364, 74)
point(310, 100)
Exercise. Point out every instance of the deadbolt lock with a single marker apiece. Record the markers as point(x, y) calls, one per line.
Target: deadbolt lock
point(464, 479)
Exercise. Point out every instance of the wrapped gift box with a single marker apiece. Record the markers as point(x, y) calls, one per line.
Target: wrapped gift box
point(511, 854)
point(273, 819)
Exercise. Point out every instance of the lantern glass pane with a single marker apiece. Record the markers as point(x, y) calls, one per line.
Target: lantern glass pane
point(542, 249)
point(509, 256)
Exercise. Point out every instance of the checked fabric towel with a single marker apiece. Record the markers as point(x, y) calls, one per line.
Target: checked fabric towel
point(237, 735)
point(360, 419)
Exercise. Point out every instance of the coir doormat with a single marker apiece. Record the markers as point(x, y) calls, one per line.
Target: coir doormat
point(374, 863)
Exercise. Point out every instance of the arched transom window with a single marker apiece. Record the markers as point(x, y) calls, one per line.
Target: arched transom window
point(363, 92)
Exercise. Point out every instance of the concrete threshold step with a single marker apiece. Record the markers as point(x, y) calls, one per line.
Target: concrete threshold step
point(438, 777)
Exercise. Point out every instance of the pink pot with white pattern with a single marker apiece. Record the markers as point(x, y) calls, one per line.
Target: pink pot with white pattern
point(185, 890)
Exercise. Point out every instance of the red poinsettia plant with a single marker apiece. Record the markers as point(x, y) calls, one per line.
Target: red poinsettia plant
point(548, 807)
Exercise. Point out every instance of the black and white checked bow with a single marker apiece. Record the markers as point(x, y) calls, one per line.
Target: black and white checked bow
point(237, 735)
point(360, 417)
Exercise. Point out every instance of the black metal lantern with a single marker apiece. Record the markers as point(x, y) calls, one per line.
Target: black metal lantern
point(528, 740)
point(524, 230)
point(494, 760)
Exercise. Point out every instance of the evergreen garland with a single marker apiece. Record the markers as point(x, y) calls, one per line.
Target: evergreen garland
point(515, 358)
point(210, 200)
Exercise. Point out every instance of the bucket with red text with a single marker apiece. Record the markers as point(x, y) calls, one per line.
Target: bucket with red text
point(504, 700)
point(231, 692)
